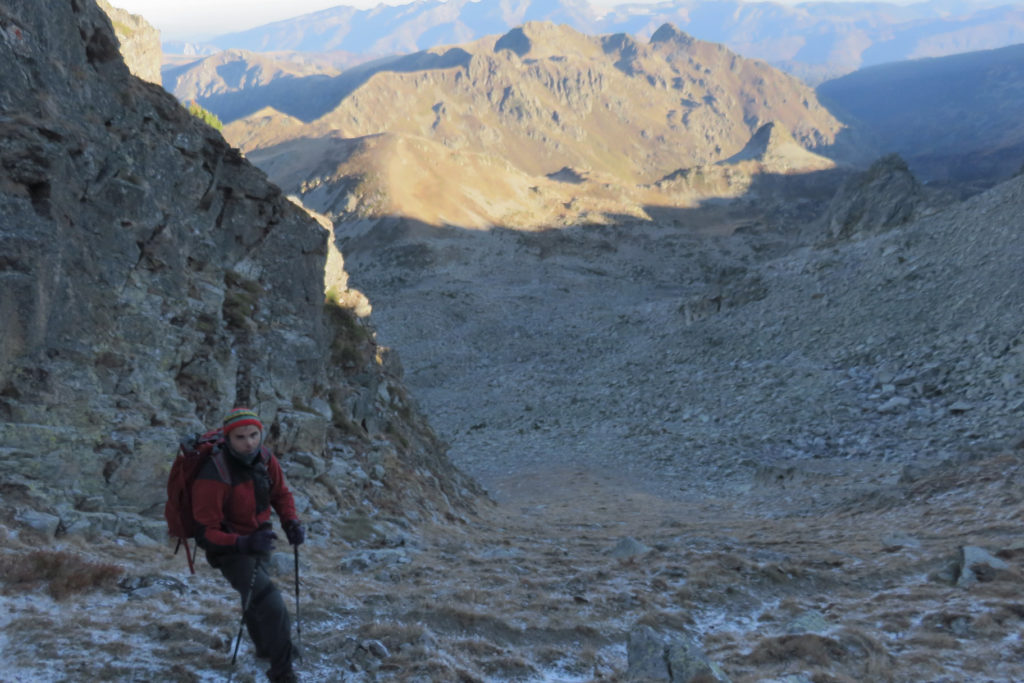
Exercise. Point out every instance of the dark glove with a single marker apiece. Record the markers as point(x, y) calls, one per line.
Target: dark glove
point(294, 531)
point(259, 542)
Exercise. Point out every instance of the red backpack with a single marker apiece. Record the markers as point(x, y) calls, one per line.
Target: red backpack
point(193, 452)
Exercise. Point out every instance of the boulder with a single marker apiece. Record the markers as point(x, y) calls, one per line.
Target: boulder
point(978, 565)
point(881, 198)
point(664, 656)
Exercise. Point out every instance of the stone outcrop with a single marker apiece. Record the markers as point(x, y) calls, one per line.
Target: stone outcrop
point(978, 565)
point(152, 278)
point(772, 147)
point(881, 198)
point(659, 656)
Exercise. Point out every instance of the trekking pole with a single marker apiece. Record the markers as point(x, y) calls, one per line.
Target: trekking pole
point(248, 599)
point(245, 608)
point(298, 616)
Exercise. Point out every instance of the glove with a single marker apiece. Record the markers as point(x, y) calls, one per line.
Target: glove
point(259, 542)
point(294, 531)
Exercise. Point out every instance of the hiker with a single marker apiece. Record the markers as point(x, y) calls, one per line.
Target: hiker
point(238, 537)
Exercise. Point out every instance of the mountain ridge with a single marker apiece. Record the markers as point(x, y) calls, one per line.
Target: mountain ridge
point(541, 98)
point(819, 40)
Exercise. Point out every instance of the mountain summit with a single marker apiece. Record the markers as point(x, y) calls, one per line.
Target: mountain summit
point(775, 150)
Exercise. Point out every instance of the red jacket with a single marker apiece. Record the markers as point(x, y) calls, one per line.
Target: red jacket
point(228, 511)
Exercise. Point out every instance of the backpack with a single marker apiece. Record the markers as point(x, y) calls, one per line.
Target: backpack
point(193, 452)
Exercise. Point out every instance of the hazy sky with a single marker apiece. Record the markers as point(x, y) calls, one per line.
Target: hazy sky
point(199, 19)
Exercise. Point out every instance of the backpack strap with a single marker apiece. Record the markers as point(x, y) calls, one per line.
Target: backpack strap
point(265, 457)
point(222, 467)
point(217, 458)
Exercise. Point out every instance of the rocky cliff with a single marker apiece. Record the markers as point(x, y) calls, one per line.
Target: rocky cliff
point(151, 279)
point(139, 42)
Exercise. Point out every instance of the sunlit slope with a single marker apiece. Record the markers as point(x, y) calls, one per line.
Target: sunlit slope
point(619, 113)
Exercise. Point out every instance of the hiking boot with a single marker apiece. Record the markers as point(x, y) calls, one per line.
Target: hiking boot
point(285, 677)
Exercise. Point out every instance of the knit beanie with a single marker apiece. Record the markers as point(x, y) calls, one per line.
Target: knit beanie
point(240, 417)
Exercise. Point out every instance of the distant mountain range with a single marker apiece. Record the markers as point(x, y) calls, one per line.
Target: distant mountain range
point(814, 41)
point(539, 126)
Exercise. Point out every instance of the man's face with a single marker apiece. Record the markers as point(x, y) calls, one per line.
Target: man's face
point(245, 439)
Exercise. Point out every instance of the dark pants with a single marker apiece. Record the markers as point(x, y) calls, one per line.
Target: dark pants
point(267, 617)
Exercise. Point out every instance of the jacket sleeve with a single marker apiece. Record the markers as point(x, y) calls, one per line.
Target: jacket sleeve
point(280, 495)
point(208, 499)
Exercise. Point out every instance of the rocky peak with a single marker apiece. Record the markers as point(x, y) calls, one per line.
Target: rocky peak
point(768, 138)
point(667, 33)
point(515, 40)
point(773, 148)
point(139, 41)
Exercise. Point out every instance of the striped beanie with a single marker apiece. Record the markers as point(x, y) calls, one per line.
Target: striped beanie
point(240, 417)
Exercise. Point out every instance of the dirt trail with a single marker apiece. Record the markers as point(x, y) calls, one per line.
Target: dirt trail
point(543, 587)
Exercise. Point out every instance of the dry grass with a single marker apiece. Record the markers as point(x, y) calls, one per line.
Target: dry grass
point(853, 653)
point(516, 594)
point(61, 573)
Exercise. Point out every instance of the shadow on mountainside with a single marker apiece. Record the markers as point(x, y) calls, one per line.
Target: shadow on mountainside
point(948, 162)
point(954, 119)
point(728, 328)
point(310, 97)
point(785, 204)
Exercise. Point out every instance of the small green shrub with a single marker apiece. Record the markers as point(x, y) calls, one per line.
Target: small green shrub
point(241, 300)
point(352, 343)
point(204, 115)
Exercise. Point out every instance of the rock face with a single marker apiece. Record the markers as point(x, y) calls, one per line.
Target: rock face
point(151, 279)
point(774, 148)
point(655, 656)
point(881, 198)
point(139, 41)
